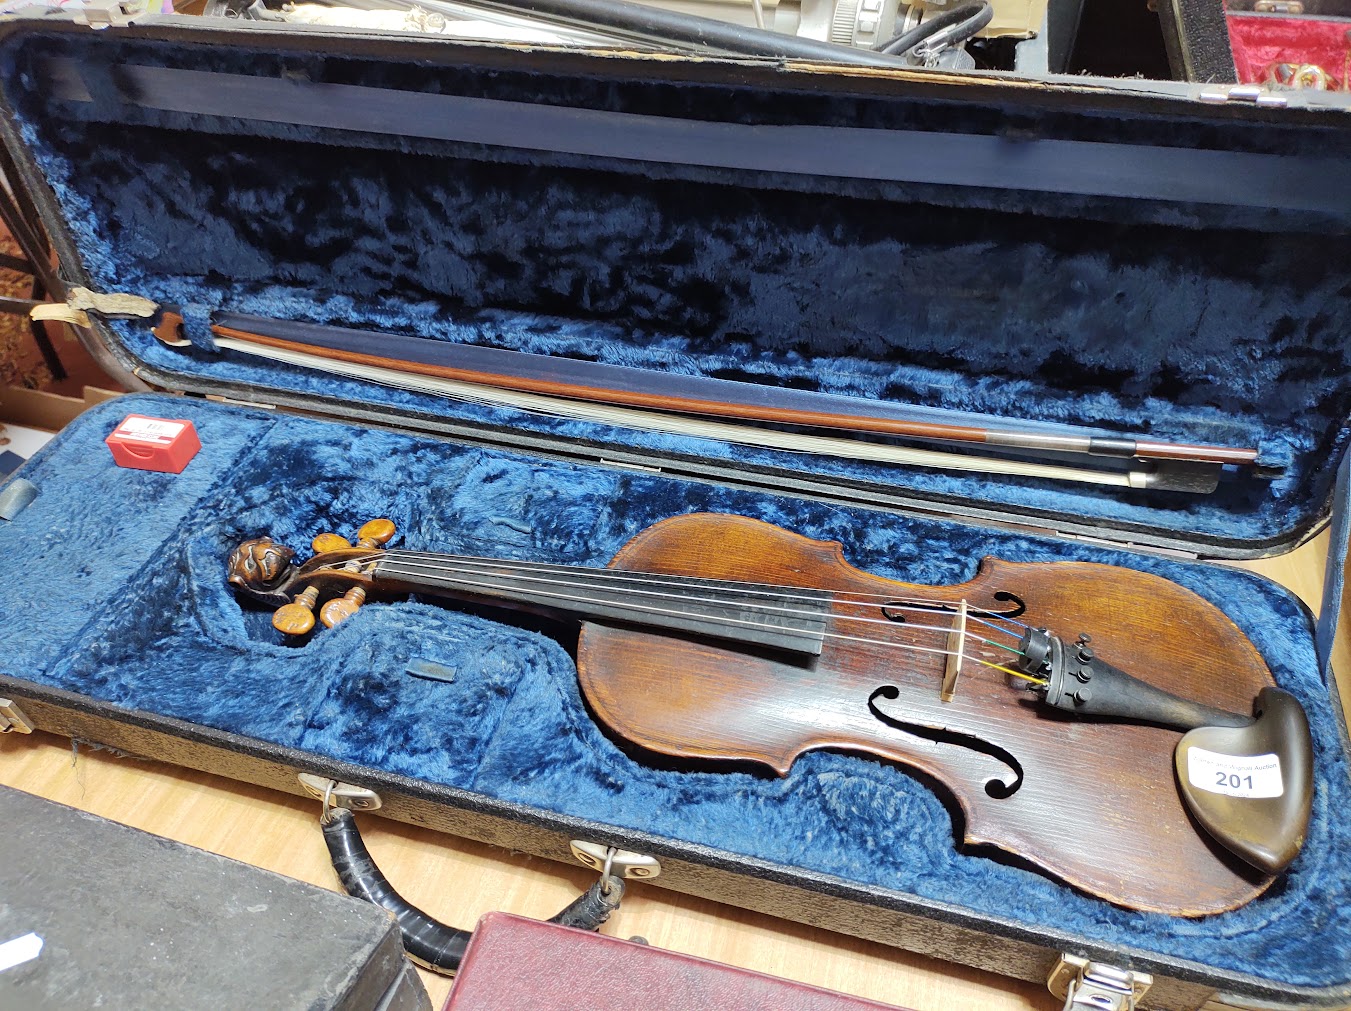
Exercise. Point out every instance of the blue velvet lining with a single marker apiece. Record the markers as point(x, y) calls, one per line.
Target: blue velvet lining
point(1200, 324)
point(135, 559)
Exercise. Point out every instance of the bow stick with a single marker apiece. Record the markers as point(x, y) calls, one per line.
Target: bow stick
point(666, 402)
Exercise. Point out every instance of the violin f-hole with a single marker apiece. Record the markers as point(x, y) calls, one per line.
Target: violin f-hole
point(997, 787)
point(1017, 611)
point(891, 610)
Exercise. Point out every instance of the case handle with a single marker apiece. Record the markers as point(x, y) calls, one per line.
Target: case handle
point(429, 942)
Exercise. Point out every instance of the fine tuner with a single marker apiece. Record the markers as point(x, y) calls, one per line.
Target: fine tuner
point(722, 637)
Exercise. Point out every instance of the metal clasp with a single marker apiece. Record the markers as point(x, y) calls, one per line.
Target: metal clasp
point(13, 720)
point(1096, 985)
point(609, 860)
point(335, 794)
point(1248, 94)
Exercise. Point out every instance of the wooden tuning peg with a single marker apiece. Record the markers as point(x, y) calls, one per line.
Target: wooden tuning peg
point(372, 534)
point(297, 617)
point(375, 533)
point(329, 542)
point(341, 608)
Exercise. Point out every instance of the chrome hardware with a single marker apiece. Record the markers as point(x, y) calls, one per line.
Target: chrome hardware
point(335, 794)
point(1085, 984)
point(1278, 7)
point(1252, 94)
point(865, 22)
point(12, 718)
point(620, 863)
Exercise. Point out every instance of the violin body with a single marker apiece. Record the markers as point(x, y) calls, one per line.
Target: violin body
point(1091, 802)
point(715, 637)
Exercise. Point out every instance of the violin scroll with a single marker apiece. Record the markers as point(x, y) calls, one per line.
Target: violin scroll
point(265, 571)
point(261, 568)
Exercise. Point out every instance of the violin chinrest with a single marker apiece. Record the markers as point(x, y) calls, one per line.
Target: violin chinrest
point(1251, 787)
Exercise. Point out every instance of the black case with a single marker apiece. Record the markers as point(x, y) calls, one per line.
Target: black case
point(126, 919)
point(978, 243)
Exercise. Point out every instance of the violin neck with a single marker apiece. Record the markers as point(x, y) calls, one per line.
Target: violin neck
point(791, 619)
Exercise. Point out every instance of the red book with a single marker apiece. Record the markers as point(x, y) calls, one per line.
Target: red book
point(515, 963)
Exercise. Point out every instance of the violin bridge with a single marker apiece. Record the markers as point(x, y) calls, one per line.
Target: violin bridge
point(956, 643)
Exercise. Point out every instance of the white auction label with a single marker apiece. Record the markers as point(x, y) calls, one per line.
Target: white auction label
point(1248, 776)
point(20, 950)
point(149, 429)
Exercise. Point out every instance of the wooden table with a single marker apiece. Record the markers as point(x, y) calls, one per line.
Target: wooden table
point(457, 880)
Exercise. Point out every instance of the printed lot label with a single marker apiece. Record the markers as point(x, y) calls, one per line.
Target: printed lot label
point(1248, 776)
point(149, 429)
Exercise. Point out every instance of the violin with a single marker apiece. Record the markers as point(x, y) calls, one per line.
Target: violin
point(1084, 718)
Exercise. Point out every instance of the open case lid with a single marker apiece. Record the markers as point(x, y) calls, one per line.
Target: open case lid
point(1131, 258)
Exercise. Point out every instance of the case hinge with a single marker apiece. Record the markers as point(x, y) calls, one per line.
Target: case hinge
point(13, 720)
point(620, 863)
point(1247, 94)
point(1083, 984)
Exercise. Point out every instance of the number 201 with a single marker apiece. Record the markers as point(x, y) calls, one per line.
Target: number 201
point(1233, 780)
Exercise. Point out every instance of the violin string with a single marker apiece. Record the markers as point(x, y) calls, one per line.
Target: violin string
point(743, 623)
point(975, 616)
point(390, 566)
point(462, 574)
point(466, 579)
point(921, 605)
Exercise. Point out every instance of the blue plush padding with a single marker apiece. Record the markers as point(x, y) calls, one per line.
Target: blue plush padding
point(131, 608)
point(1189, 323)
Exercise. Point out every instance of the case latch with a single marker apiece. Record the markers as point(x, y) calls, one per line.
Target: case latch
point(1086, 984)
point(12, 718)
point(335, 794)
point(620, 863)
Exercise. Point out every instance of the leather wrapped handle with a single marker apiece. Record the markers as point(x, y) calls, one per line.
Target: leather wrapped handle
point(429, 942)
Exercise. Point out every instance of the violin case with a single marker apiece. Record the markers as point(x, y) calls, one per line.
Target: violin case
point(1138, 256)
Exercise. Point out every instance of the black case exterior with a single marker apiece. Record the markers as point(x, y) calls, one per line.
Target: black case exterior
point(928, 928)
point(130, 920)
point(1196, 37)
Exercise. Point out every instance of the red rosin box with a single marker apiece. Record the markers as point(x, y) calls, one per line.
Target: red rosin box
point(145, 443)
